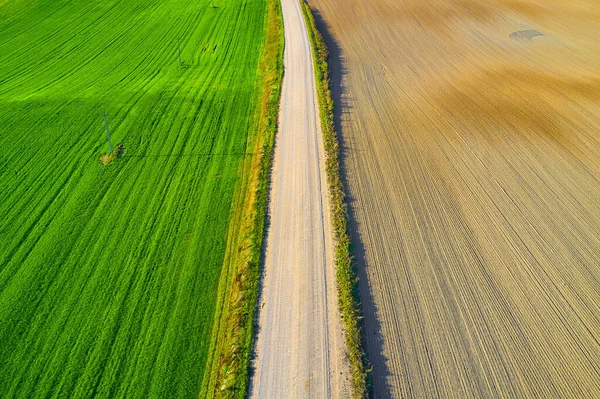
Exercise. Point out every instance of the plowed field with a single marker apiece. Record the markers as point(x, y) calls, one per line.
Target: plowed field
point(471, 144)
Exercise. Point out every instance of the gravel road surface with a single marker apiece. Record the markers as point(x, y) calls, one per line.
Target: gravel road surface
point(300, 347)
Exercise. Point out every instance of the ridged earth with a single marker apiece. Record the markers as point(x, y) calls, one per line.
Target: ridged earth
point(472, 165)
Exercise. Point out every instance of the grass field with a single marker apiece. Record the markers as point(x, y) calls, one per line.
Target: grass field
point(109, 274)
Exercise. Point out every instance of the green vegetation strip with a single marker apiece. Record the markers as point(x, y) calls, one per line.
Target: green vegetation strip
point(228, 375)
point(345, 273)
point(110, 274)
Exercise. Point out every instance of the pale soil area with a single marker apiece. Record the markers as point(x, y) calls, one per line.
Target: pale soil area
point(300, 349)
point(472, 158)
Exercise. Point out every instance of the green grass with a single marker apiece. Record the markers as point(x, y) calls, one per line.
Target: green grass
point(109, 275)
point(347, 282)
point(233, 340)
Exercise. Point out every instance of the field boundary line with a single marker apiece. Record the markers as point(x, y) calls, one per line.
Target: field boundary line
point(232, 340)
point(347, 281)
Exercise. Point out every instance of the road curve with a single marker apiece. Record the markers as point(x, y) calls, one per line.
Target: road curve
point(300, 346)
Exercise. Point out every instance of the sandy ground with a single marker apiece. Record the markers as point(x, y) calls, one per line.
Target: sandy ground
point(471, 150)
point(300, 348)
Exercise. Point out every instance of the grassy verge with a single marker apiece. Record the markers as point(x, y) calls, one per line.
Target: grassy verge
point(227, 374)
point(345, 274)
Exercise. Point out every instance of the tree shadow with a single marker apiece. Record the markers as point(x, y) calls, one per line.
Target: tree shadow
point(371, 324)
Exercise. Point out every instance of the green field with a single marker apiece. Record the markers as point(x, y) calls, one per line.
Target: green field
point(109, 274)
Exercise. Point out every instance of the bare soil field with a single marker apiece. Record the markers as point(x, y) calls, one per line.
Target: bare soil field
point(471, 148)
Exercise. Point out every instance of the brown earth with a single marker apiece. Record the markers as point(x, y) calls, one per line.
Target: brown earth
point(471, 149)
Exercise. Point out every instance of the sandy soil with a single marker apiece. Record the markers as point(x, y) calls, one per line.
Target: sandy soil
point(471, 135)
point(300, 348)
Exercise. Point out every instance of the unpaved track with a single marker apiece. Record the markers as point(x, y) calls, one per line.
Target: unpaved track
point(300, 347)
point(473, 167)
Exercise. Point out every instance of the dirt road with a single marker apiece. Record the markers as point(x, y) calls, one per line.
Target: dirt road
point(471, 143)
point(300, 348)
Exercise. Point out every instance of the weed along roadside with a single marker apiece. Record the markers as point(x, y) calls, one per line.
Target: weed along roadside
point(227, 372)
point(346, 277)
